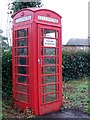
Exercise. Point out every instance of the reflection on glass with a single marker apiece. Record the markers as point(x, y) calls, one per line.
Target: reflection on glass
point(41, 31)
point(49, 69)
point(22, 51)
point(57, 34)
point(41, 42)
point(48, 79)
point(50, 51)
point(21, 61)
point(42, 99)
point(21, 42)
point(51, 88)
point(21, 33)
point(43, 90)
point(22, 97)
point(49, 61)
point(41, 51)
point(57, 43)
point(21, 70)
point(22, 88)
point(50, 97)
point(22, 79)
point(49, 33)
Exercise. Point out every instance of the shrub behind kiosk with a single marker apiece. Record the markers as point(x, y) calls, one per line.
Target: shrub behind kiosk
point(37, 60)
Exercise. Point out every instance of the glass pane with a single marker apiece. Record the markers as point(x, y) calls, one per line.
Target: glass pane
point(57, 34)
point(42, 99)
point(43, 90)
point(22, 51)
point(49, 61)
point(21, 61)
point(22, 88)
point(51, 88)
point(41, 41)
point(49, 69)
point(21, 33)
point(50, 51)
point(41, 51)
point(21, 42)
point(49, 33)
point(41, 32)
point(22, 79)
point(48, 79)
point(57, 52)
point(57, 43)
point(22, 97)
point(21, 70)
point(50, 97)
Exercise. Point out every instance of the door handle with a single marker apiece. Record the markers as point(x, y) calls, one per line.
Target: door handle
point(39, 61)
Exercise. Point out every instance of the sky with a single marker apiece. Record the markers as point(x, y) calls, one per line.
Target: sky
point(74, 17)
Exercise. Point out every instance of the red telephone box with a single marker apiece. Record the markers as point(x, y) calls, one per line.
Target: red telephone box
point(37, 60)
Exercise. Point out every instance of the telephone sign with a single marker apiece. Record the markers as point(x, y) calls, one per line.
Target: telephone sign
point(48, 19)
point(23, 19)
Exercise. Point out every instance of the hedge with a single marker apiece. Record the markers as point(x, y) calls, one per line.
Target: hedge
point(6, 75)
point(75, 65)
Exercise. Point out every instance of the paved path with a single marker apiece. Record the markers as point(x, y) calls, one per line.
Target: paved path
point(68, 113)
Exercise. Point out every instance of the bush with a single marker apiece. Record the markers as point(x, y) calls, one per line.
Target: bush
point(6, 75)
point(75, 65)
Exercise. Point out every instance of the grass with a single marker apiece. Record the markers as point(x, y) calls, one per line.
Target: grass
point(75, 94)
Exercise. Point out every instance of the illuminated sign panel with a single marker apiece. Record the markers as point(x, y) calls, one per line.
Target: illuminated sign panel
point(22, 19)
point(49, 19)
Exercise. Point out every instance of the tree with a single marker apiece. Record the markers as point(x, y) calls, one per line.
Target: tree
point(20, 5)
point(5, 44)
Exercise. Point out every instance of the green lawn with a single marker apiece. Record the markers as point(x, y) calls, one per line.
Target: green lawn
point(76, 94)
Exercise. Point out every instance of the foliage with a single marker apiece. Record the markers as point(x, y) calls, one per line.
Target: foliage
point(75, 65)
point(6, 74)
point(20, 5)
point(4, 41)
point(4, 45)
point(4, 38)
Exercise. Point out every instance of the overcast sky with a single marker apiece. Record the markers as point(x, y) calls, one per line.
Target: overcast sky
point(74, 17)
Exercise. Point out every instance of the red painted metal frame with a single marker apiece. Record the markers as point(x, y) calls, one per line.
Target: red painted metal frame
point(34, 86)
